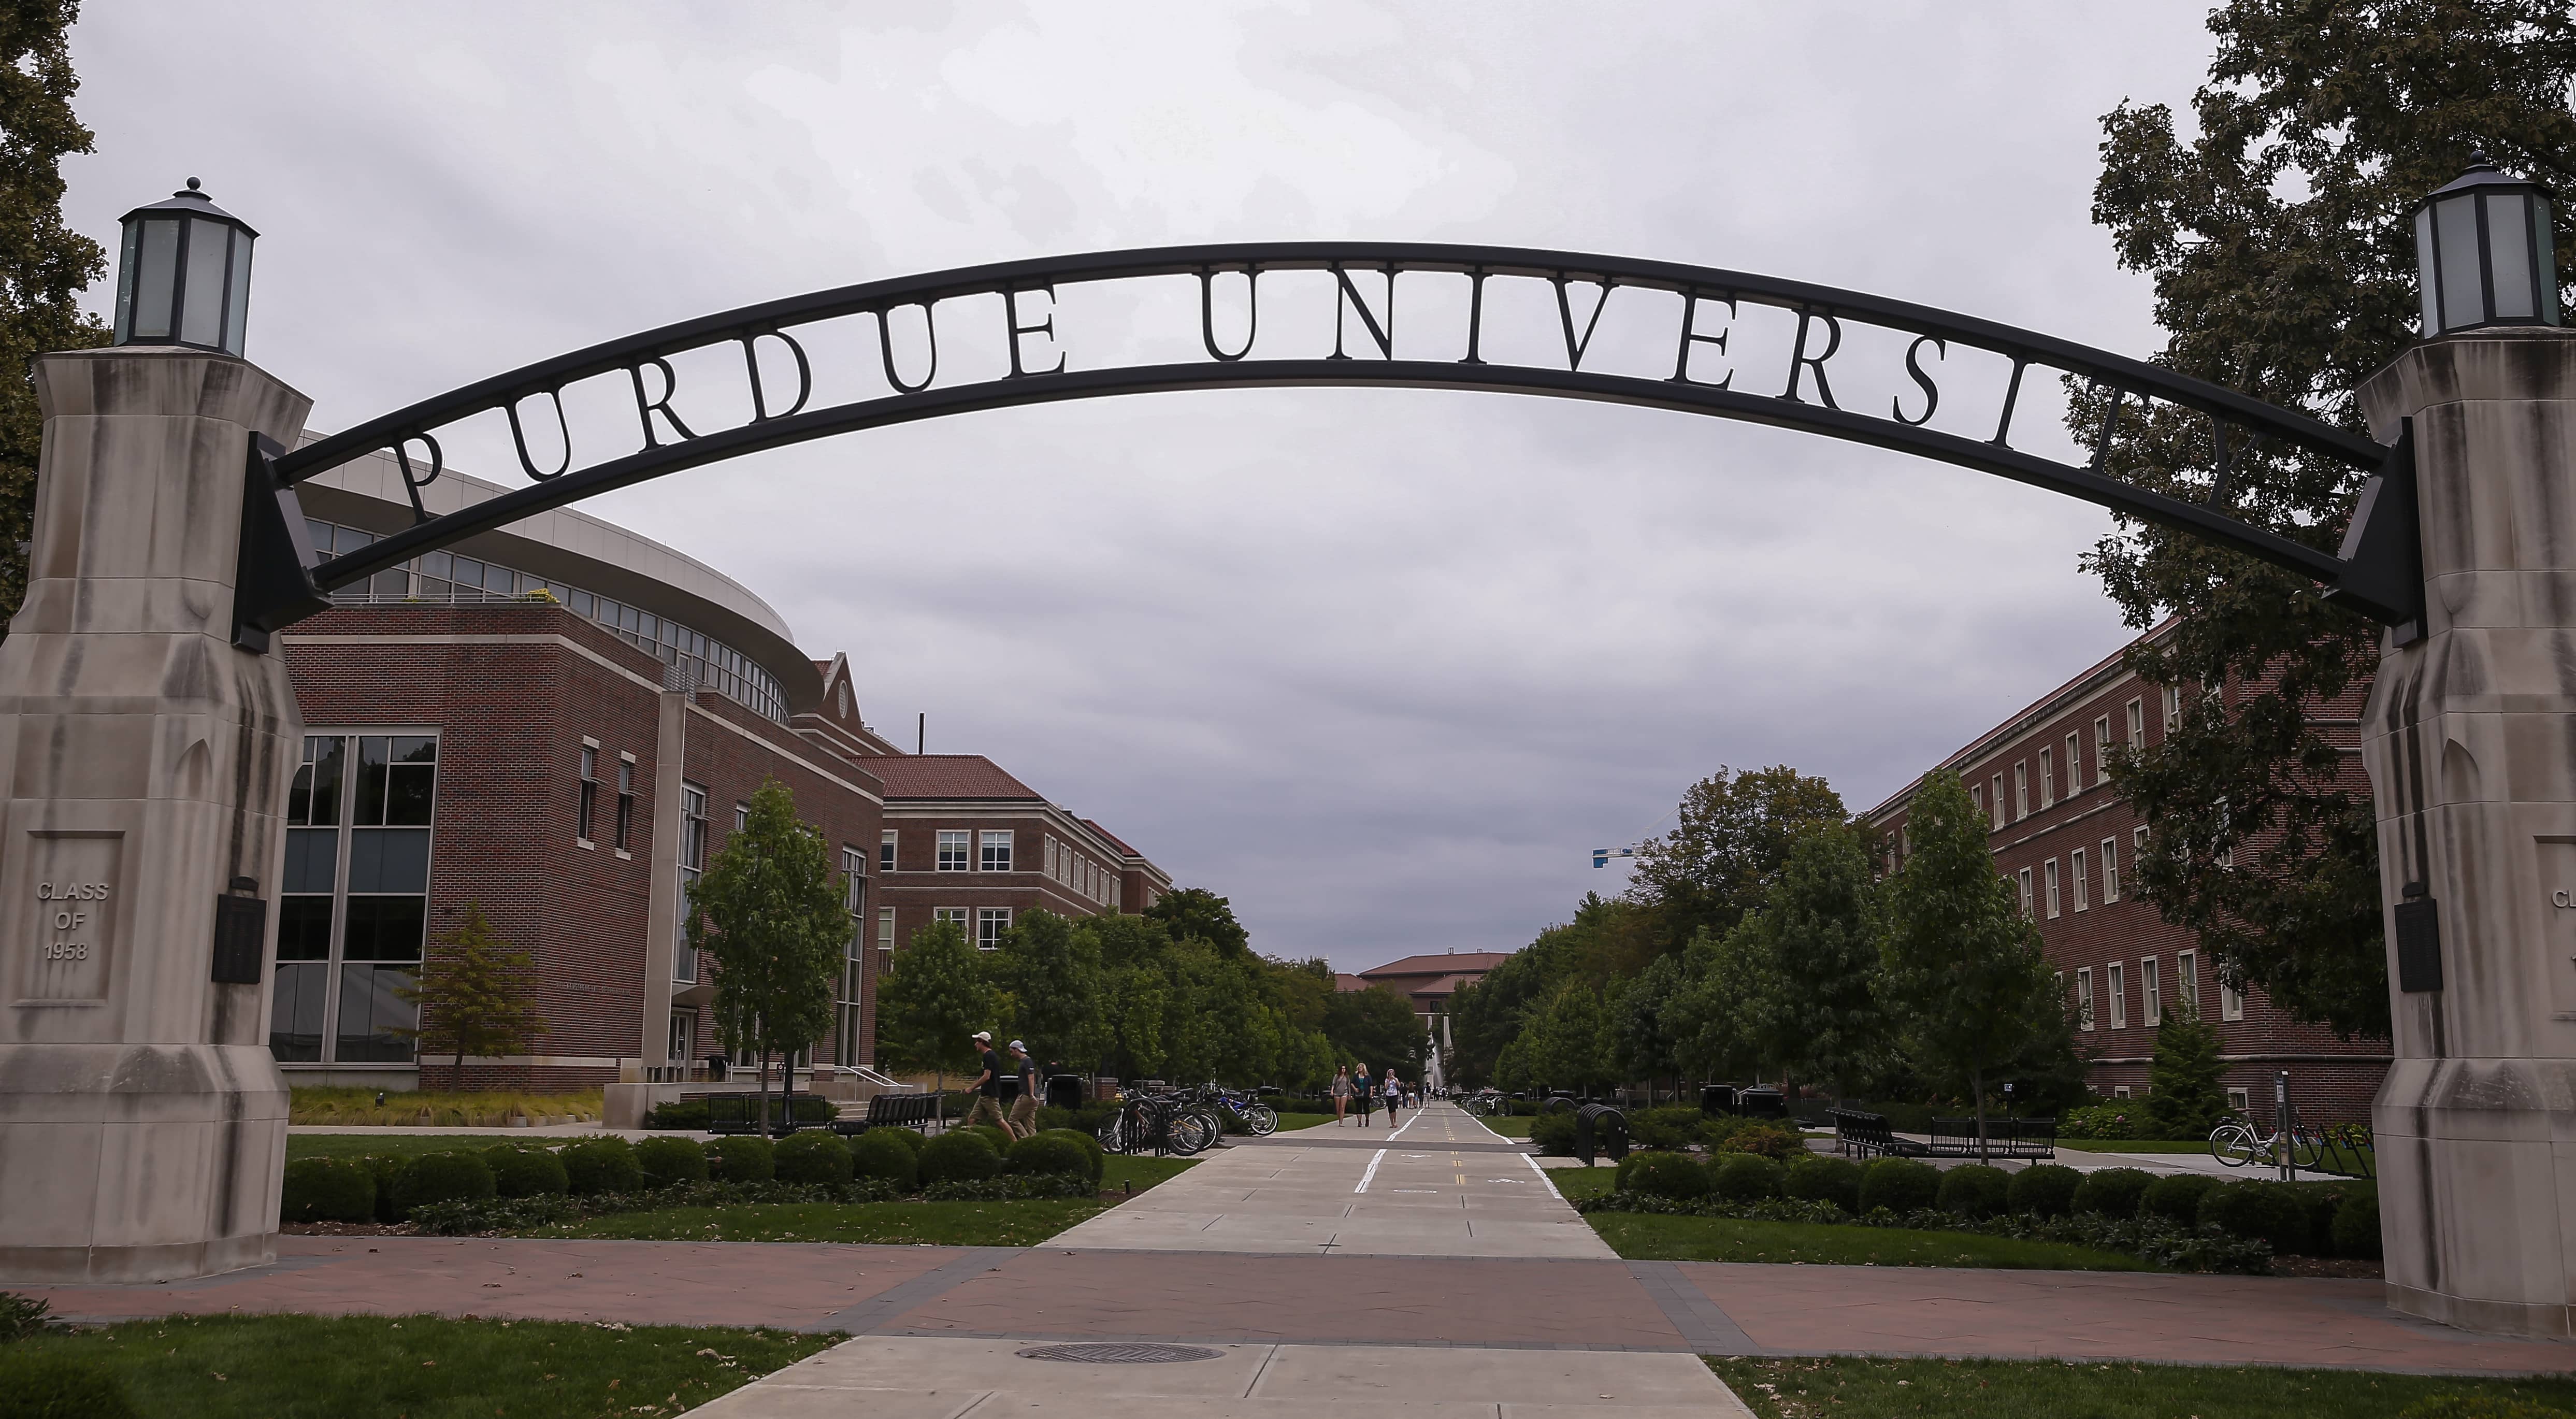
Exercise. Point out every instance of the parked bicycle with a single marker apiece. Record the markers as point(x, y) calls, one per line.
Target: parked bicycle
point(2237, 1142)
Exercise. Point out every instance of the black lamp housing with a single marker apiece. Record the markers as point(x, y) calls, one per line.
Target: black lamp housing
point(183, 276)
point(2485, 254)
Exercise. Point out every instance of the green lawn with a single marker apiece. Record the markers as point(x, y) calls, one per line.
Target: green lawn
point(1137, 1172)
point(1583, 1182)
point(422, 1367)
point(1644, 1237)
point(390, 1145)
point(1516, 1126)
point(2047, 1389)
point(1290, 1123)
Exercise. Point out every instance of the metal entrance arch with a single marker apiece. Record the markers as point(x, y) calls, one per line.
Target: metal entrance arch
point(665, 427)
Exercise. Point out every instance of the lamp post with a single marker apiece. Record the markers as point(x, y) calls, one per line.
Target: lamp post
point(2484, 253)
point(183, 274)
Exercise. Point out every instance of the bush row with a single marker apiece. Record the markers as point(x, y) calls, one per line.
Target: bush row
point(2318, 1219)
point(1676, 1128)
point(393, 1189)
point(2172, 1245)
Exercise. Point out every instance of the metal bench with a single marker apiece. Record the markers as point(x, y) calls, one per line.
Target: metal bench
point(740, 1113)
point(890, 1111)
point(1866, 1135)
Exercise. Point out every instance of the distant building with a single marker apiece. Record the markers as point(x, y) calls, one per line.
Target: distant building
point(1428, 982)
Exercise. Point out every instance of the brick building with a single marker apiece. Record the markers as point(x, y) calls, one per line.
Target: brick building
point(1428, 982)
point(2068, 845)
point(559, 722)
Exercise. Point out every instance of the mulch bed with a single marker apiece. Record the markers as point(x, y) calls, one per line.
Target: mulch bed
point(2345, 1267)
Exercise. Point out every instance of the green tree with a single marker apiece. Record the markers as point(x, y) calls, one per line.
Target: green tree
point(2284, 267)
point(1375, 1027)
point(473, 995)
point(1732, 835)
point(43, 264)
point(1712, 1029)
point(1646, 1038)
point(1196, 914)
point(933, 998)
point(1052, 974)
point(1814, 1010)
point(2186, 1089)
point(1964, 970)
point(769, 908)
point(1568, 1044)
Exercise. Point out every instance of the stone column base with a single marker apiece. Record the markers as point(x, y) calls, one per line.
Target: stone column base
point(2485, 1317)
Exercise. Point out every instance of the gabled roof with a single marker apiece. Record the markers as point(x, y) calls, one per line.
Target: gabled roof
point(1115, 840)
point(1344, 980)
point(1446, 985)
point(917, 776)
point(1442, 964)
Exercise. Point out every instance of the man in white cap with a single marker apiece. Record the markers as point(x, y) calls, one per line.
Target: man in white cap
point(1024, 1109)
point(988, 1085)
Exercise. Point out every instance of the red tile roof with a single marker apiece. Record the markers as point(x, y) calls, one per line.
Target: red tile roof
point(1442, 964)
point(947, 776)
point(1446, 985)
point(1121, 843)
point(1344, 980)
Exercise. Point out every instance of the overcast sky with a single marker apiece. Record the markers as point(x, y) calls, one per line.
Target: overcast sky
point(1380, 666)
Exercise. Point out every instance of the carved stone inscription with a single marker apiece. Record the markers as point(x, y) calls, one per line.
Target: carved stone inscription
point(74, 901)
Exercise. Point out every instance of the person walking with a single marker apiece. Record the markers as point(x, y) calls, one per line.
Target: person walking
point(1341, 1094)
point(1394, 1096)
point(1360, 1091)
point(988, 1085)
point(1024, 1109)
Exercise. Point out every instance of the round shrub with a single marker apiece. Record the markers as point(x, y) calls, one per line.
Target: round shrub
point(2267, 1210)
point(2321, 1201)
point(386, 1169)
point(48, 1386)
point(1745, 1177)
point(2176, 1198)
point(599, 1165)
point(2113, 1192)
point(2356, 1226)
point(910, 1139)
point(1095, 1159)
point(668, 1162)
point(1974, 1191)
point(442, 1177)
point(959, 1155)
point(742, 1158)
point(1554, 1134)
point(1040, 1154)
point(526, 1172)
point(1817, 1178)
point(1673, 1128)
point(329, 1190)
point(880, 1153)
point(1899, 1185)
point(1769, 1140)
point(2044, 1190)
point(812, 1158)
point(999, 1138)
point(1675, 1175)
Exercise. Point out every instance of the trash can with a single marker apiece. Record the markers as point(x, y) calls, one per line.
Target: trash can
point(1600, 1129)
point(1716, 1099)
point(1064, 1091)
point(1761, 1103)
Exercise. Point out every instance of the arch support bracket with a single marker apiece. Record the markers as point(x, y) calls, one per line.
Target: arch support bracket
point(2383, 553)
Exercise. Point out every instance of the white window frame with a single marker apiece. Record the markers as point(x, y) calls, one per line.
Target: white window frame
point(2101, 751)
point(626, 771)
point(2137, 843)
point(2137, 724)
point(586, 807)
point(1050, 856)
point(2075, 869)
point(2110, 871)
point(2084, 997)
point(2021, 789)
point(2239, 1102)
point(2151, 991)
point(741, 816)
point(990, 924)
point(694, 834)
point(962, 839)
point(2187, 981)
point(2231, 1002)
point(1995, 809)
point(2047, 779)
point(2172, 708)
point(854, 891)
point(885, 932)
point(964, 919)
point(2116, 986)
point(2023, 877)
point(989, 839)
point(2074, 765)
point(2048, 877)
point(889, 846)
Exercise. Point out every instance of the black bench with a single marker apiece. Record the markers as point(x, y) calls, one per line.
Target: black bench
point(2005, 1138)
point(740, 1113)
point(913, 1111)
point(1866, 1135)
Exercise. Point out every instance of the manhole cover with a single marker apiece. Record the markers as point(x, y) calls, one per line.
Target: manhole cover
point(1105, 1354)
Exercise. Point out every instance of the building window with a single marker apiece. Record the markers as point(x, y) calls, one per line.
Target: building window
point(953, 916)
point(2102, 751)
point(353, 909)
point(2024, 880)
point(2047, 779)
point(953, 849)
point(2084, 997)
point(2172, 707)
point(2151, 992)
point(2049, 871)
point(1977, 797)
point(2074, 766)
point(990, 923)
point(682, 1042)
point(741, 816)
point(2110, 870)
point(1049, 860)
point(625, 802)
point(2231, 1001)
point(589, 809)
point(997, 851)
point(885, 851)
point(885, 931)
point(2119, 1091)
point(693, 860)
point(2187, 983)
point(2116, 988)
point(2021, 790)
point(854, 896)
point(2075, 869)
point(1995, 799)
point(2137, 724)
point(2238, 1102)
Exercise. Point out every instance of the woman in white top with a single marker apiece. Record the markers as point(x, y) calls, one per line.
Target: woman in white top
point(1394, 1096)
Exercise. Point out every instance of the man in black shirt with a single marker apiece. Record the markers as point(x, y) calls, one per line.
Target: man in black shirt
point(1024, 1109)
point(988, 1085)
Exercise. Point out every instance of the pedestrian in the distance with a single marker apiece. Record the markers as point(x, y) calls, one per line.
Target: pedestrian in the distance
point(988, 1085)
point(1341, 1094)
point(1360, 1090)
point(1394, 1096)
point(1024, 1109)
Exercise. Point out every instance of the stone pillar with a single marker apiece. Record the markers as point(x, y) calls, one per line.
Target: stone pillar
point(144, 763)
point(2470, 738)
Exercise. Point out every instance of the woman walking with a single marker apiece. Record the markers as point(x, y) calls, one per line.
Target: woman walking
point(1394, 1096)
point(1360, 1090)
point(1341, 1093)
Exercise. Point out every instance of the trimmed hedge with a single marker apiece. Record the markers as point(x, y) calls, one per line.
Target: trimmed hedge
point(2323, 1202)
point(2113, 1192)
point(960, 1155)
point(442, 1177)
point(669, 1161)
point(877, 1154)
point(328, 1190)
point(2356, 1227)
point(526, 1172)
point(602, 1165)
point(1661, 1174)
point(1975, 1191)
point(1554, 1133)
point(2176, 1198)
point(1764, 1137)
point(1817, 1178)
point(688, 1115)
point(999, 1138)
point(1746, 1177)
point(47, 1386)
point(1672, 1128)
point(387, 1168)
point(1899, 1185)
point(2270, 1211)
point(2044, 1190)
point(911, 1139)
point(1095, 1157)
point(812, 1158)
point(1040, 1154)
point(742, 1158)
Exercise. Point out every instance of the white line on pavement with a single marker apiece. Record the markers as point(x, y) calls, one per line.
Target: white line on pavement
point(1542, 1177)
point(1399, 1133)
point(1372, 1170)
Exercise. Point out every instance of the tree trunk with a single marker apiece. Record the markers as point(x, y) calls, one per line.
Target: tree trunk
point(760, 1061)
point(1977, 1081)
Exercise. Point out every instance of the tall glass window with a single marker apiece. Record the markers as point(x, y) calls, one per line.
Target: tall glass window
point(353, 911)
point(854, 896)
point(588, 813)
point(953, 849)
point(625, 804)
point(990, 924)
point(997, 851)
point(693, 860)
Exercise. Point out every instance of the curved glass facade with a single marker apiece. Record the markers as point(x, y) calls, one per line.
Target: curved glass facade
point(443, 578)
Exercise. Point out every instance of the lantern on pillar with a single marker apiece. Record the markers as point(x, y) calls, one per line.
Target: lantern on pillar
point(183, 274)
point(2484, 253)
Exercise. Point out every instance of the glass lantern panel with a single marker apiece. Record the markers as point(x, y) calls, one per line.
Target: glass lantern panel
point(2428, 271)
point(237, 295)
point(158, 274)
point(2509, 257)
point(201, 294)
point(125, 274)
point(2464, 301)
point(2545, 240)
